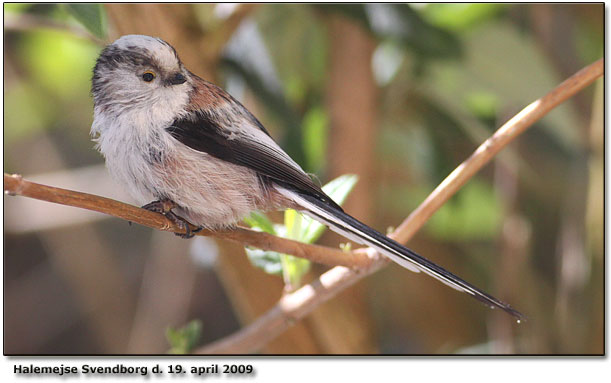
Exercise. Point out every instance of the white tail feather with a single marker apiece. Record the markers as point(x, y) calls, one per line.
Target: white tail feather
point(338, 226)
point(352, 229)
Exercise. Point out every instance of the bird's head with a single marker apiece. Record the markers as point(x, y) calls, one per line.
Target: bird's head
point(141, 73)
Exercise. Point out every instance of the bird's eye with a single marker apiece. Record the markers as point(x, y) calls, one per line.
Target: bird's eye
point(148, 76)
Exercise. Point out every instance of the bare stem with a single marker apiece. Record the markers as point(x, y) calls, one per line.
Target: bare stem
point(16, 185)
point(501, 138)
point(293, 307)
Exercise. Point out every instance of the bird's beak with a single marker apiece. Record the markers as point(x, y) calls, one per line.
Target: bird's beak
point(177, 79)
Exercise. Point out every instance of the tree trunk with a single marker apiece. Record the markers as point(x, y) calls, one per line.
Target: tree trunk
point(344, 324)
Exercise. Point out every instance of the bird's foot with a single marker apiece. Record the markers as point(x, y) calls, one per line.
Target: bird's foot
point(183, 224)
point(165, 207)
point(161, 206)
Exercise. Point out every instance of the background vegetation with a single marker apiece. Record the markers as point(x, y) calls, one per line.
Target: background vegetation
point(397, 94)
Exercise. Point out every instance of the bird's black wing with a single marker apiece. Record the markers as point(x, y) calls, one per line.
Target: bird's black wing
point(230, 140)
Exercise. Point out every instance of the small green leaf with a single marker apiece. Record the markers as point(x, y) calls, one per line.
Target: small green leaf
point(297, 227)
point(339, 188)
point(460, 17)
point(314, 130)
point(293, 269)
point(483, 104)
point(91, 16)
point(16, 7)
point(258, 220)
point(184, 339)
point(268, 261)
point(472, 214)
point(292, 222)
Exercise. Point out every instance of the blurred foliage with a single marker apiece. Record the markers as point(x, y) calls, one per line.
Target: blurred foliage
point(448, 76)
point(315, 132)
point(403, 24)
point(473, 214)
point(183, 340)
point(461, 17)
point(16, 7)
point(92, 16)
point(48, 78)
point(459, 220)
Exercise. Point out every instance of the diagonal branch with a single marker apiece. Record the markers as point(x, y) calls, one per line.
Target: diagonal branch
point(294, 306)
point(492, 146)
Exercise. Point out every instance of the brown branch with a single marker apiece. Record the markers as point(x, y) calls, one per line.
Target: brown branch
point(486, 151)
point(16, 185)
point(294, 306)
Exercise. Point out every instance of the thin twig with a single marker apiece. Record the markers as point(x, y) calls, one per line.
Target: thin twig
point(292, 307)
point(486, 151)
point(16, 185)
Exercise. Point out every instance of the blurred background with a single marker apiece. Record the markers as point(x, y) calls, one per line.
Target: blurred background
point(397, 94)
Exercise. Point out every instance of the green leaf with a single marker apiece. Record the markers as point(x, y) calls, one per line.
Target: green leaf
point(184, 339)
point(295, 227)
point(338, 190)
point(59, 62)
point(292, 222)
point(473, 214)
point(293, 268)
point(16, 7)
point(458, 17)
point(483, 104)
point(91, 16)
point(421, 37)
point(268, 261)
point(314, 131)
point(258, 220)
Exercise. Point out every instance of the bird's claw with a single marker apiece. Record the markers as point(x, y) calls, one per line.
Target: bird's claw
point(190, 233)
point(182, 223)
point(161, 206)
point(165, 207)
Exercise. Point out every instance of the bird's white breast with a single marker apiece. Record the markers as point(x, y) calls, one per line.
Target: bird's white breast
point(141, 155)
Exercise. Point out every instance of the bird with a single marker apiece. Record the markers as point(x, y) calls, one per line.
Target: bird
point(186, 149)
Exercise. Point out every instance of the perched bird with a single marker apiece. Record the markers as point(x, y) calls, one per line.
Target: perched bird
point(200, 156)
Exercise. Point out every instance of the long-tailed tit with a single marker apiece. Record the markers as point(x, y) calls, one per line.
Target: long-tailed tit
point(184, 143)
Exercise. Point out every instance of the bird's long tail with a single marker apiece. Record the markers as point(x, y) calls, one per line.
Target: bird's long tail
point(355, 230)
